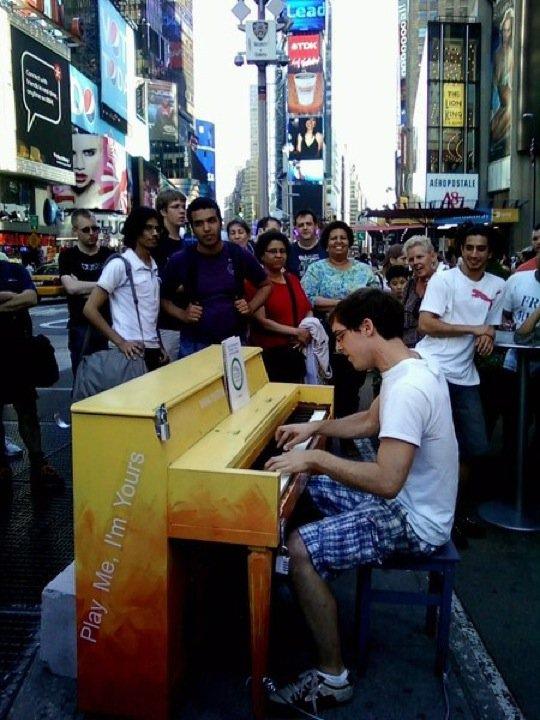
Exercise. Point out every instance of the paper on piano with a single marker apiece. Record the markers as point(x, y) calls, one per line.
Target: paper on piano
point(236, 384)
point(284, 479)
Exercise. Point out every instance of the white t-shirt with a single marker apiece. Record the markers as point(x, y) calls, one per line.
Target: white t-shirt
point(415, 408)
point(521, 298)
point(457, 300)
point(115, 282)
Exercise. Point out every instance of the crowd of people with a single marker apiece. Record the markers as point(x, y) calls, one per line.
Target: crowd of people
point(423, 327)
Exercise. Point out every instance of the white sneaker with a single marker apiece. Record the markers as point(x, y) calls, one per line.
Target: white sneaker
point(13, 450)
point(312, 692)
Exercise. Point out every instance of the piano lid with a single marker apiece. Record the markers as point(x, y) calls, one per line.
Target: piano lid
point(170, 385)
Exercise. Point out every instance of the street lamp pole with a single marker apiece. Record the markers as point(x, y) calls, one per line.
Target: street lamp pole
point(263, 125)
point(262, 49)
point(532, 158)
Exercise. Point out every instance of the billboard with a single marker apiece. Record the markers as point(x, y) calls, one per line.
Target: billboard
point(452, 190)
point(84, 102)
point(101, 177)
point(162, 111)
point(85, 107)
point(305, 75)
point(308, 171)
point(205, 132)
point(307, 15)
point(305, 138)
point(502, 55)
point(403, 39)
point(43, 113)
point(112, 41)
point(453, 104)
point(203, 158)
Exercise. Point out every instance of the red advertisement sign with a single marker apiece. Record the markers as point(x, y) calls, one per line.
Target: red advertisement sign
point(305, 78)
point(305, 53)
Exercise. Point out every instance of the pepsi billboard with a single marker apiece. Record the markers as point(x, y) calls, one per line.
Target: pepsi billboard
point(85, 107)
point(307, 15)
point(84, 102)
point(112, 40)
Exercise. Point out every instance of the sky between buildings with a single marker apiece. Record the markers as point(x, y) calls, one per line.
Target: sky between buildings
point(365, 41)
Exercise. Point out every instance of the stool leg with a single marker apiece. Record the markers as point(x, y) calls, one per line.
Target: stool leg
point(363, 607)
point(434, 588)
point(443, 634)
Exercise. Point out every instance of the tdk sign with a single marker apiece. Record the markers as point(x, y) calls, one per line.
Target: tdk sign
point(307, 15)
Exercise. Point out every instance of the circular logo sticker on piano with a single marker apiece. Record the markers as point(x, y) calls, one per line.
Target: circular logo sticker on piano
point(237, 374)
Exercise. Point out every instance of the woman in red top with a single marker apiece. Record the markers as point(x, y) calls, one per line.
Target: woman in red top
point(275, 327)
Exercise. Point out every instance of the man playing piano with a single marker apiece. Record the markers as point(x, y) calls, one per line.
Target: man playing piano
point(402, 503)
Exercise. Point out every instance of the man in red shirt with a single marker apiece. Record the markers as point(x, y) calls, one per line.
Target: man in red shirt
point(535, 241)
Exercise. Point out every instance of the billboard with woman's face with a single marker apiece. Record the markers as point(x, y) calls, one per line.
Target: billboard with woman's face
point(101, 178)
point(502, 48)
point(305, 138)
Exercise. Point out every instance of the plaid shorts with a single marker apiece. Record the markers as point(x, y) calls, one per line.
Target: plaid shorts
point(358, 528)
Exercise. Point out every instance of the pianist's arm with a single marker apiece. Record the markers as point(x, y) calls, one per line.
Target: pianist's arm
point(360, 425)
point(385, 477)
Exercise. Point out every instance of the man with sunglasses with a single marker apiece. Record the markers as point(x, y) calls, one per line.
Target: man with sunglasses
point(80, 267)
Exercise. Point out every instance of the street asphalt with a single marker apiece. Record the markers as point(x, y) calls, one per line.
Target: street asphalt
point(498, 588)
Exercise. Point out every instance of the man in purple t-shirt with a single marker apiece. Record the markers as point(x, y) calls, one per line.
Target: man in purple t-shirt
point(202, 286)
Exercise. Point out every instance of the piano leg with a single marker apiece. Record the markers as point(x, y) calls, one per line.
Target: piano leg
point(259, 582)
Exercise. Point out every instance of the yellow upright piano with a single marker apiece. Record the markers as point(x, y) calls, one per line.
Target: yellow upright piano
point(158, 459)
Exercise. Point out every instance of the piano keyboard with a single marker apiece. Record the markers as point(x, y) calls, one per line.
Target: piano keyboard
point(317, 415)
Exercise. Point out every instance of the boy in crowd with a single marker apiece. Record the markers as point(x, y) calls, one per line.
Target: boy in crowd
point(396, 277)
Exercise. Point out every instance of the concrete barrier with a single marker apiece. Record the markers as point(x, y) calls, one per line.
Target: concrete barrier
point(58, 647)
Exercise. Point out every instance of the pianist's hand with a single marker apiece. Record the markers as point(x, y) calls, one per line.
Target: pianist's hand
point(287, 436)
point(294, 462)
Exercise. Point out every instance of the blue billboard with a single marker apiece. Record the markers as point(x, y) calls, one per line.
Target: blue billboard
point(307, 15)
point(112, 41)
point(203, 157)
point(85, 107)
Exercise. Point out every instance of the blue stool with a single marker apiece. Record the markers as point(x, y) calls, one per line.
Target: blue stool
point(441, 567)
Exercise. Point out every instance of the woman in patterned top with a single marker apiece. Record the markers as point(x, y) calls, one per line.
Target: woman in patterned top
point(422, 260)
point(326, 282)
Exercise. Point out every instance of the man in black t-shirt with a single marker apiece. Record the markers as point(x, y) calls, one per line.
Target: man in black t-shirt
point(307, 248)
point(17, 294)
point(80, 267)
point(171, 205)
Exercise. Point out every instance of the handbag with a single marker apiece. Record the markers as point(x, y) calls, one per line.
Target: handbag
point(41, 362)
point(106, 369)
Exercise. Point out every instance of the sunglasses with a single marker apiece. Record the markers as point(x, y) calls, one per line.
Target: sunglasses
point(89, 229)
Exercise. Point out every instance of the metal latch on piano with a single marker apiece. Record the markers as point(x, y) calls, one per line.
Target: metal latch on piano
point(163, 430)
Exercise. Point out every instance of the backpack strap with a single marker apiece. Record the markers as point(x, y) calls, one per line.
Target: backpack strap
point(129, 275)
point(235, 254)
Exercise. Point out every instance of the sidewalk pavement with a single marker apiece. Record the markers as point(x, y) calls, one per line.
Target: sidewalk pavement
point(399, 683)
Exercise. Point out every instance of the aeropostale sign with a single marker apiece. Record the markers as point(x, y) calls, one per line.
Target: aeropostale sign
point(452, 190)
